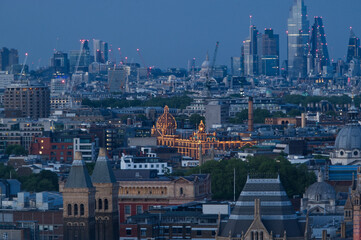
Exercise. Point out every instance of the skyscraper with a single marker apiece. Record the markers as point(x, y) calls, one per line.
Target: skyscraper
point(297, 36)
point(268, 53)
point(250, 52)
point(100, 49)
point(317, 57)
point(8, 58)
point(60, 62)
point(353, 50)
point(80, 59)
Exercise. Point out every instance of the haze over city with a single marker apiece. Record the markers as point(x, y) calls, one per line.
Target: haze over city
point(168, 32)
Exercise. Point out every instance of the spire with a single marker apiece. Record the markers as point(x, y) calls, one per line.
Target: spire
point(207, 56)
point(78, 176)
point(103, 173)
point(352, 33)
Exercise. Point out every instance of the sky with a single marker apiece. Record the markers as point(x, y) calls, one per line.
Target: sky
point(167, 32)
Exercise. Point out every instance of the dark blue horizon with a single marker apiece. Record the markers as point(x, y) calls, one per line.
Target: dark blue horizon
point(168, 32)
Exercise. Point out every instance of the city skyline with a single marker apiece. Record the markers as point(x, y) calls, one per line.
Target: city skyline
point(190, 31)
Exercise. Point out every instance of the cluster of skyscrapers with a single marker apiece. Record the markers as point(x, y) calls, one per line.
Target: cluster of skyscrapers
point(307, 51)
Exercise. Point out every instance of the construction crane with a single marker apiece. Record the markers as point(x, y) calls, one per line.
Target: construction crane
point(214, 58)
point(22, 69)
point(143, 62)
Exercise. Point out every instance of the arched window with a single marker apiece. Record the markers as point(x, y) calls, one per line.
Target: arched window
point(81, 209)
point(256, 235)
point(100, 204)
point(105, 204)
point(252, 236)
point(69, 209)
point(261, 236)
point(75, 209)
point(181, 191)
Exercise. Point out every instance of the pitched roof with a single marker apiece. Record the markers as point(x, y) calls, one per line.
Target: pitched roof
point(78, 176)
point(276, 210)
point(103, 172)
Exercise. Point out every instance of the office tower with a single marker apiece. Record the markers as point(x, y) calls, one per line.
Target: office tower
point(60, 63)
point(236, 66)
point(27, 101)
point(100, 49)
point(353, 50)
point(250, 53)
point(117, 79)
point(8, 58)
point(80, 59)
point(268, 53)
point(317, 57)
point(297, 36)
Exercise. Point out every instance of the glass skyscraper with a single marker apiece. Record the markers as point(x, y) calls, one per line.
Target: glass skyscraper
point(353, 50)
point(317, 57)
point(297, 36)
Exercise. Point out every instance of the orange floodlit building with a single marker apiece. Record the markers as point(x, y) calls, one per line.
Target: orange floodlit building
point(200, 141)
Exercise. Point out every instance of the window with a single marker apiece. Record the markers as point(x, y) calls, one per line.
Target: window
point(81, 209)
point(105, 204)
point(69, 209)
point(139, 209)
point(256, 234)
point(252, 235)
point(100, 204)
point(128, 231)
point(181, 191)
point(261, 235)
point(127, 209)
point(143, 232)
point(199, 232)
point(75, 209)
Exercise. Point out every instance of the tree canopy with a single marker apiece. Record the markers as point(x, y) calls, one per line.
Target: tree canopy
point(295, 178)
point(16, 150)
point(44, 181)
point(180, 102)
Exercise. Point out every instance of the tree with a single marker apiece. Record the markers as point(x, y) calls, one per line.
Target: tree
point(295, 178)
point(195, 119)
point(294, 113)
point(16, 150)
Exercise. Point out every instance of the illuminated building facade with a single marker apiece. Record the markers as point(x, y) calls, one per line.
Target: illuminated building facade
point(199, 144)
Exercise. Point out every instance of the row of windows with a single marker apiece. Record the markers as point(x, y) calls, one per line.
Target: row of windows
point(100, 204)
point(75, 212)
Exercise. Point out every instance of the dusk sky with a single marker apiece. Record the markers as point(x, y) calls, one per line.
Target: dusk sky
point(168, 32)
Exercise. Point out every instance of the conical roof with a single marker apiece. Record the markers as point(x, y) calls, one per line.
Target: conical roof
point(277, 213)
point(78, 176)
point(103, 173)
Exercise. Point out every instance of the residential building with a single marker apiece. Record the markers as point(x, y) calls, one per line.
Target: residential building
point(27, 101)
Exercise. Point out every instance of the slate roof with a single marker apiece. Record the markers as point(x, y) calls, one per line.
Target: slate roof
point(78, 176)
point(103, 172)
point(277, 213)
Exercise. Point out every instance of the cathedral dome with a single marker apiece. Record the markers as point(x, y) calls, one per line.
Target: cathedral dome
point(349, 138)
point(320, 191)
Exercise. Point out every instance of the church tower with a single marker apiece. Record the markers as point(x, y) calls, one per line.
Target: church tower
point(78, 203)
point(106, 199)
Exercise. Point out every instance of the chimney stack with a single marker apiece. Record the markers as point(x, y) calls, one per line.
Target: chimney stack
point(303, 120)
point(250, 114)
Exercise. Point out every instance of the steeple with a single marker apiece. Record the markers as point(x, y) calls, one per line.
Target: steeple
point(103, 172)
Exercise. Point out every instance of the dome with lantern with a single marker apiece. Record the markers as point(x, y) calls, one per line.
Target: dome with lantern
point(166, 123)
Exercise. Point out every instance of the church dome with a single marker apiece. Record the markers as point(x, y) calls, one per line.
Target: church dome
point(320, 191)
point(349, 138)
